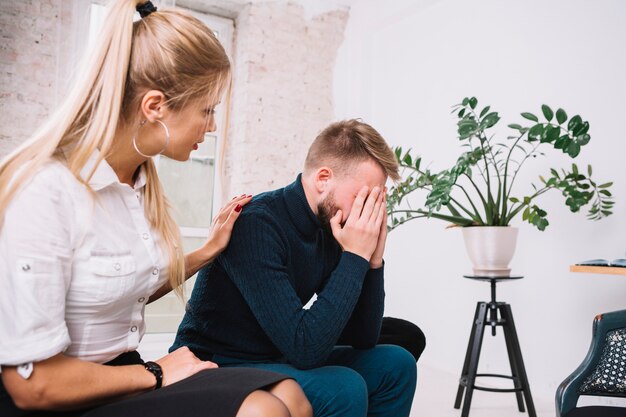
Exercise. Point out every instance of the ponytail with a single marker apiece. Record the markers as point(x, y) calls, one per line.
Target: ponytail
point(168, 50)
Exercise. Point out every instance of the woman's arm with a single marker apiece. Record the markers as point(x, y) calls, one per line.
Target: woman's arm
point(218, 239)
point(65, 383)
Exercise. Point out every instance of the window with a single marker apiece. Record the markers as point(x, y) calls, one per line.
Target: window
point(192, 186)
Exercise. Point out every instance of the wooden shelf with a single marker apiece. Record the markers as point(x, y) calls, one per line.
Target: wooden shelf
point(598, 269)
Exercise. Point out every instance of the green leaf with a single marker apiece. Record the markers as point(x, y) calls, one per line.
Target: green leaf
point(561, 116)
point(465, 101)
point(490, 120)
point(605, 192)
point(573, 149)
point(535, 132)
point(515, 126)
point(547, 112)
point(467, 128)
point(551, 134)
point(407, 159)
point(589, 170)
point(461, 113)
point(484, 111)
point(541, 225)
point(561, 142)
point(473, 102)
point(583, 139)
point(607, 185)
point(530, 116)
point(514, 200)
point(581, 129)
point(574, 122)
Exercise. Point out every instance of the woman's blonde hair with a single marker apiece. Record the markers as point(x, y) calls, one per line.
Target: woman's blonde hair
point(167, 50)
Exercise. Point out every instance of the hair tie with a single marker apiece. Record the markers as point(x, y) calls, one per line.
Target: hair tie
point(146, 8)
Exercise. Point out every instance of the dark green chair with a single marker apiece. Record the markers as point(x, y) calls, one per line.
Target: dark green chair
point(601, 374)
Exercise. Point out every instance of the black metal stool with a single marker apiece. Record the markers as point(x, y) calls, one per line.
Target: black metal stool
point(487, 315)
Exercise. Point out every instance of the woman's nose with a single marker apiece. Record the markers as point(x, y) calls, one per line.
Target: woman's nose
point(211, 125)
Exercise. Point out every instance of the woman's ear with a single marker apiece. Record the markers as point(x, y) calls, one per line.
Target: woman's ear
point(323, 176)
point(153, 105)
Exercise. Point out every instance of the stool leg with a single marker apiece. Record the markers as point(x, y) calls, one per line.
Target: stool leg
point(459, 393)
point(477, 342)
point(512, 361)
point(507, 314)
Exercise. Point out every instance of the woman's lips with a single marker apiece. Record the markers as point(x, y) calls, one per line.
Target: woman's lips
point(195, 146)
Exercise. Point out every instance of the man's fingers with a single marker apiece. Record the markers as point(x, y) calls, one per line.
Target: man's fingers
point(381, 215)
point(357, 206)
point(335, 223)
point(377, 206)
point(368, 207)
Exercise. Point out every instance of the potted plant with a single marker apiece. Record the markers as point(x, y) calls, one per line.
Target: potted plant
point(478, 192)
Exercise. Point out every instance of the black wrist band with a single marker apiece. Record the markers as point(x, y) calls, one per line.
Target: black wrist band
point(155, 369)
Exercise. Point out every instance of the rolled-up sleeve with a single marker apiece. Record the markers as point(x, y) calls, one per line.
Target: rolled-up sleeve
point(35, 262)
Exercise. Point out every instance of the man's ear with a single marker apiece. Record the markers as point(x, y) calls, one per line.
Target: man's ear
point(323, 176)
point(153, 105)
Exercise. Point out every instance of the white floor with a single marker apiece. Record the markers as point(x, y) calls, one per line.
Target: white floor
point(436, 390)
point(435, 394)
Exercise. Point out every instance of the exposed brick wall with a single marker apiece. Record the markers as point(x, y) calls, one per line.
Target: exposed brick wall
point(282, 92)
point(29, 34)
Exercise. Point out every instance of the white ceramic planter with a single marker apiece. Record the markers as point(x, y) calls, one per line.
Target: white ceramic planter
point(490, 248)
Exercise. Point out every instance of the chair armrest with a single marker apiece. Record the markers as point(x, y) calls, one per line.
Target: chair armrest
point(567, 393)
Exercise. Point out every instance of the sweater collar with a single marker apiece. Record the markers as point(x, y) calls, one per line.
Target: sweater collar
point(299, 210)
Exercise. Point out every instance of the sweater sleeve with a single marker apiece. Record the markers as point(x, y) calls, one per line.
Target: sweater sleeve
point(363, 328)
point(256, 261)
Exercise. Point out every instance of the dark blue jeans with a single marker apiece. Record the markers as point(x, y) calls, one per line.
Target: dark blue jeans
point(378, 382)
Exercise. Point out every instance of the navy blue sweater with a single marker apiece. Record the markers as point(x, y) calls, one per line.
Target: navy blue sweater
point(248, 304)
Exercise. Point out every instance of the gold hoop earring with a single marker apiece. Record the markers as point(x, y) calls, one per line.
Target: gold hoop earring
point(167, 139)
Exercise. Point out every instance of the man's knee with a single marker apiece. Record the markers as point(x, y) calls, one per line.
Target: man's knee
point(343, 392)
point(399, 363)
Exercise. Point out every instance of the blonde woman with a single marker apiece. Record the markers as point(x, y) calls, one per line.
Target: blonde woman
point(87, 238)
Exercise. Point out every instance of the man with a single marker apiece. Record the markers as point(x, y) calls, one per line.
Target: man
point(324, 234)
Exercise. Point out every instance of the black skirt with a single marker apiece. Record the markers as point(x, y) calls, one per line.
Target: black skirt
point(213, 392)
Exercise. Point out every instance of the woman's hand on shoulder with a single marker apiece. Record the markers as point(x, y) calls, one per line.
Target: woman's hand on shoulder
point(222, 226)
point(181, 364)
point(219, 236)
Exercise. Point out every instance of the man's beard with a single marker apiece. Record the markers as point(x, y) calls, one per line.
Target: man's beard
point(326, 209)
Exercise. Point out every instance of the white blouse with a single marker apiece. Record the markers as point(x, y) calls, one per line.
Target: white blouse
point(76, 267)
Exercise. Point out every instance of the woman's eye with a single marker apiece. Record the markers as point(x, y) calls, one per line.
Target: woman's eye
point(210, 111)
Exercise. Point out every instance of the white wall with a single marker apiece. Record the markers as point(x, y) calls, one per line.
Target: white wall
point(402, 66)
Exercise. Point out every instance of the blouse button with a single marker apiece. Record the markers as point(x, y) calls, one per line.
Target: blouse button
point(155, 271)
point(133, 329)
point(145, 236)
point(25, 267)
point(142, 299)
point(117, 267)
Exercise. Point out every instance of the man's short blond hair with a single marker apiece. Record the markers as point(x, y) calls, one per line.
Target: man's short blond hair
point(344, 143)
